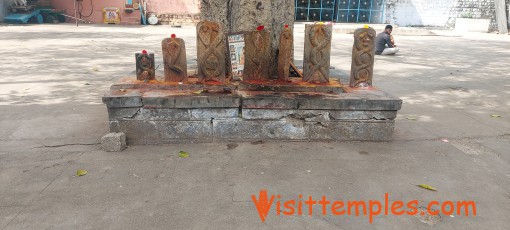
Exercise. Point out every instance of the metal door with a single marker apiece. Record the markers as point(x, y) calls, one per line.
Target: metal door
point(366, 11)
point(315, 10)
point(363, 11)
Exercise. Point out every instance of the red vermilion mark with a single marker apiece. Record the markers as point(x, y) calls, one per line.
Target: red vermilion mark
point(173, 36)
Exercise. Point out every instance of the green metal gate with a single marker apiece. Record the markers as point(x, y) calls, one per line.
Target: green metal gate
point(362, 11)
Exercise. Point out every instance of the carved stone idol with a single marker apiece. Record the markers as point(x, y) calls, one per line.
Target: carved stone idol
point(257, 48)
point(174, 59)
point(145, 70)
point(362, 67)
point(210, 52)
point(285, 53)
point(317, 53)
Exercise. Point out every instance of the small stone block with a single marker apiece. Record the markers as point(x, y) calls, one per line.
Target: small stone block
point(113, 142)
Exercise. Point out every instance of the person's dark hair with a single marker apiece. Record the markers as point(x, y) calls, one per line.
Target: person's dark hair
point(389, 27)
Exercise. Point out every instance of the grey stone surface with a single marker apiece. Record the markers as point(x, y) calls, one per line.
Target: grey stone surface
point(113, 142)
point(358, 100)
point(292, 125)
point(122, 113)
point(118, 99)
point(161, 100)
point(214, 113)
point(157, 131)
point(272, 114)
point(163, 114)
point(171, 114)
point(290, 128)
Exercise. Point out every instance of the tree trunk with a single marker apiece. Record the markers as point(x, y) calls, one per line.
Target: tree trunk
point(246, 15)
point(501, 16)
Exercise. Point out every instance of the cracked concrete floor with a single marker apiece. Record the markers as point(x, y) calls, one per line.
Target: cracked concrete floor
point(53, 77)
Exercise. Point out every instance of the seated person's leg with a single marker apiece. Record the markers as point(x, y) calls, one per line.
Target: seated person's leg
point(389, 51)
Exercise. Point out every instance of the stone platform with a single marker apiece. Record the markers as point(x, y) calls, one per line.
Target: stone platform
point(155, 113)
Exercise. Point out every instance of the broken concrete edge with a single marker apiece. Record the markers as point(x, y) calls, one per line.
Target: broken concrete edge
point(113, 142)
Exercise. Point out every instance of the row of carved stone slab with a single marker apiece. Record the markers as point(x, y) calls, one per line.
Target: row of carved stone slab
point(257, 54)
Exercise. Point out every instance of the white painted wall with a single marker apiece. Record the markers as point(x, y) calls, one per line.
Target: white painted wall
point(419, 12)
point(438, 13)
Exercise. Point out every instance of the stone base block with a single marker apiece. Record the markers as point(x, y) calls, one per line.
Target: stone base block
point(113, 142)
point(183, 116)
point(301, 130)
point(239, 129)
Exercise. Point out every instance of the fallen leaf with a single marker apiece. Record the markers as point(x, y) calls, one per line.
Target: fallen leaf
point(426, 186)
point(183, 154)
point(95, 69)
point(197, 92)
point(87, 84)
point(495, 115)
point(81, 172)
point(411, 118)
point(122, 90)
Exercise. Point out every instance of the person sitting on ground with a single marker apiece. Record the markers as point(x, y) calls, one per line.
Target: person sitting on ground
point(384, 42)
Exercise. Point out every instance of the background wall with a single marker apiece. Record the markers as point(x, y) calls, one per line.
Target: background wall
point(175, 11)
point(174, 6)
point(441, 13)
point(96, 6)
point(418, 12)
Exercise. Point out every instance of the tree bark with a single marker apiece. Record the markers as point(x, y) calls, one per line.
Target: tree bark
point(501, 16)
point(246, 15)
